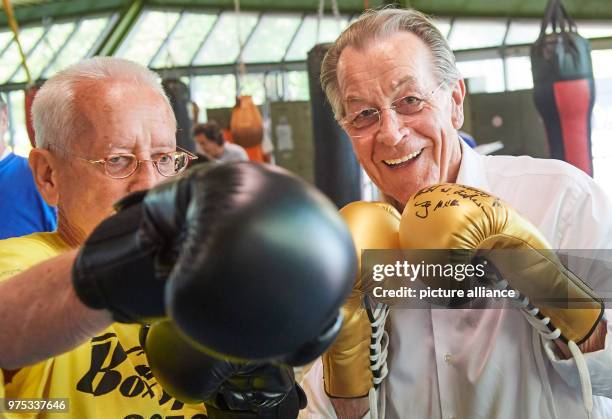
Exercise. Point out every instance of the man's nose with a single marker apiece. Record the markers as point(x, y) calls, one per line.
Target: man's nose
point(390, 129)
point(145, 177)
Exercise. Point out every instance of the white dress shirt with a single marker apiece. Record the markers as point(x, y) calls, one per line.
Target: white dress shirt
point(485, 364)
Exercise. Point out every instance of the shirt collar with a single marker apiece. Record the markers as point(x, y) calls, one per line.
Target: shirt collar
point(472, 168)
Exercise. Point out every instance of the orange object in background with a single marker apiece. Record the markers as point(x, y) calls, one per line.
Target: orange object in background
point(255, 153)
point(246, 123)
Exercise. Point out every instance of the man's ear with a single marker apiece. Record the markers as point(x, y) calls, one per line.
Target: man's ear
point(43, 166)
point(458, 96)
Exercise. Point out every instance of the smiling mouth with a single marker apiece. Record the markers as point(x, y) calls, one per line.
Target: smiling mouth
point(397, 162)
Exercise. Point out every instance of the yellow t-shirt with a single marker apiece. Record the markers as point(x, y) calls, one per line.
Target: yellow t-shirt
point(106, 377)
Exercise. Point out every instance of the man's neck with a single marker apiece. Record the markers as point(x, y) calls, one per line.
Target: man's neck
point(70, 234)
point(456, 163)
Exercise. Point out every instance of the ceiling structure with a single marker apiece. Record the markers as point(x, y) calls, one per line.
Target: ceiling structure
point(32, 10)
point(203, 37)
point(201, 41)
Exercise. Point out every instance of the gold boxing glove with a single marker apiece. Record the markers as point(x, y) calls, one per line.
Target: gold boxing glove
point(346, 365)
point(451, 216)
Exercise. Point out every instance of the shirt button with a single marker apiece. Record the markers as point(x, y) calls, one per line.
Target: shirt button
point(448, 358)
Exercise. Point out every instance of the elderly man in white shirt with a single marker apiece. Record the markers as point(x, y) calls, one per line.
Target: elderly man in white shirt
point(393, 84)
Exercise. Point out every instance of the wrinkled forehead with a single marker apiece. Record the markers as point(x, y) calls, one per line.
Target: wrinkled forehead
point(401, 60)
point(110, 112)
point(110, 95)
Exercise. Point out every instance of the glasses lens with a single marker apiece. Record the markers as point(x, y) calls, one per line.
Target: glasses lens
point(120, 166)
point(365, 118)
point(172, 164)
point(408, 105)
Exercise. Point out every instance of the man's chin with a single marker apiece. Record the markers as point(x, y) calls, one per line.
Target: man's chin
point(401, 192)
point(395, 196)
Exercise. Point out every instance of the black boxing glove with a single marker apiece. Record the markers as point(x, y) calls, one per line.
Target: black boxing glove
point(228, 389)
point(238, 256)
point(123, 265)
point(267, 270)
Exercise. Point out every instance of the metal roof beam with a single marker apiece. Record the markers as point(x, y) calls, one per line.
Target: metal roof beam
point(121, 28)
point(58, 10)
point(213, 70)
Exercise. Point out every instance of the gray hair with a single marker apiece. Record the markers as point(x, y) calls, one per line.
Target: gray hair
point(55, 112)
point(381, 24)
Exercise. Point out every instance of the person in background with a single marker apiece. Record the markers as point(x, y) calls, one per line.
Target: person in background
point(469, 140)
point(22, 208)
point(210, 142)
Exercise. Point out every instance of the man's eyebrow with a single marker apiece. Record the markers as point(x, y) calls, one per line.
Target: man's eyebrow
point(404, 80)
point(163, 147)
point(130, 142)
point(352, 98)
point(121, 145)
point(395, 86)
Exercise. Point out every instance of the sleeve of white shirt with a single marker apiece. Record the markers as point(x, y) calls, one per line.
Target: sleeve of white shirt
point(588, 225)
point(319, 405)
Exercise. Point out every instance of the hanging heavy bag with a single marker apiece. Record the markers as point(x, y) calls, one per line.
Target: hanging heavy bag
point(178, 94)
point(246, 124)
point(563, 87)
point(337, 171)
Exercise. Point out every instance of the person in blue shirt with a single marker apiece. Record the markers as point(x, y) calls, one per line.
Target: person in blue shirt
point(469, 140)
point(22, 209)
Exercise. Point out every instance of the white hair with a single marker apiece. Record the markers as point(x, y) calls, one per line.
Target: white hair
point(55, 114)
point(381, 24)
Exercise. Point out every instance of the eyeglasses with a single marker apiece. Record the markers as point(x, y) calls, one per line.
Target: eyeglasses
point(120, 166)
point(123, 165)
point(366, 121)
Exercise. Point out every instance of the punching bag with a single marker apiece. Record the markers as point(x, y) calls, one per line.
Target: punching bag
point(178, 94)
point(246, 123)
point(337, 172)
point(563, 87)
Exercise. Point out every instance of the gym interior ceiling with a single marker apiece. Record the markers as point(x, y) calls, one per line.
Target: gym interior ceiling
point(203, 40)
point(203, 37)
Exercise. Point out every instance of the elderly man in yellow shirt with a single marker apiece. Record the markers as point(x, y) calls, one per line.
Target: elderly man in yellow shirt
point(99, 108)
point(129, 252)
